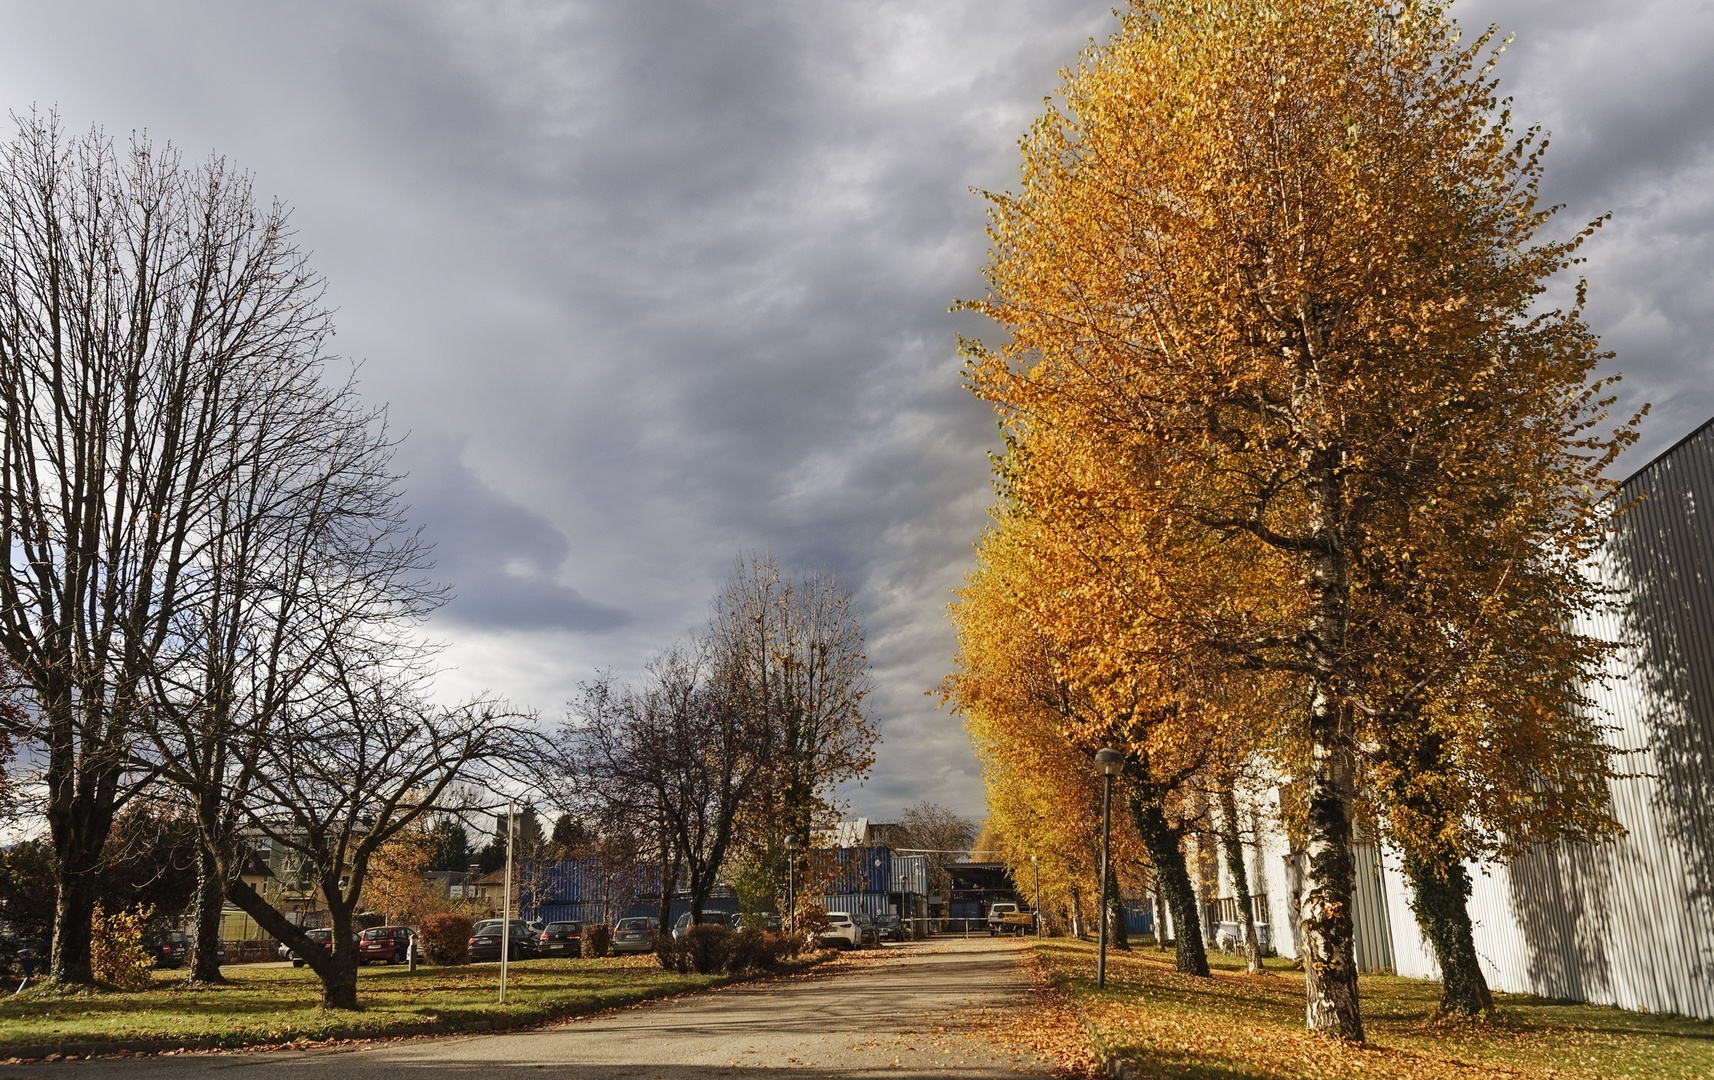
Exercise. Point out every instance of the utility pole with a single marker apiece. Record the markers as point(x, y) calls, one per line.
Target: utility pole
point(506, 907)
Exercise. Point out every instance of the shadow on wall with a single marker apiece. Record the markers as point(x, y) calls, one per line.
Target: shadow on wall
point(1560, 903)
point(1632, 921)
point(1664, 553)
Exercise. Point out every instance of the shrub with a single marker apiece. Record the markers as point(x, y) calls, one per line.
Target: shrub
point(672, 957)
point(756, 950)
point(116, 951)
point(666, 951)
point(368, 920)
point(811, 920)
point(446, 939)
point(707, 947)
point(596, 939)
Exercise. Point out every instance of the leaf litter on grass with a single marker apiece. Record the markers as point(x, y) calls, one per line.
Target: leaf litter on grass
point(1236, 1025)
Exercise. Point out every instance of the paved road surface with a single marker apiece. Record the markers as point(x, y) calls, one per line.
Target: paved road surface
point(911, 1011)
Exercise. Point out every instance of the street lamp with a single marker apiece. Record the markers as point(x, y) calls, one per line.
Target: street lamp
point(792, 845)
point(1036, 866)
point(1108, 762)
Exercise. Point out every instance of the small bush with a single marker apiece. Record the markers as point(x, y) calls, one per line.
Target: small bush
point(757, 950)
point(596, 939)
point(811, 920)
point(116, 951)
point(368, 920)
point(670, 955)
point(446, 939)
point(707, 947)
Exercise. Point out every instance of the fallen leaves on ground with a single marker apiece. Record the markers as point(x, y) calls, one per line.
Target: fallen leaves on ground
point(1234, 1025)
point(1040, 1022)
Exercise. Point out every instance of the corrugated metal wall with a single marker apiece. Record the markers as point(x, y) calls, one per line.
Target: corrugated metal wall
point(909, 874)
point(863, 903)
point(1631, 922)
point(861, 870)
point(1370, 925)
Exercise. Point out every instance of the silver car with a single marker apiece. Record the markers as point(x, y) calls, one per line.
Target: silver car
point(636, 934)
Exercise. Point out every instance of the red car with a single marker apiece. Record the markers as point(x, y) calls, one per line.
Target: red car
point(393, 944)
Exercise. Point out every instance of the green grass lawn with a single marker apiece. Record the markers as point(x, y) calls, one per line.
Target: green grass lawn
point(1241, 1026)
point(267, 1004)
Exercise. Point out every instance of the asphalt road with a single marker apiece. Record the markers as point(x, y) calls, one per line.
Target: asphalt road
point(915, 1010)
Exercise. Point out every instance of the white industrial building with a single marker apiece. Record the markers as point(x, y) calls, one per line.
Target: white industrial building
point(1630, 922)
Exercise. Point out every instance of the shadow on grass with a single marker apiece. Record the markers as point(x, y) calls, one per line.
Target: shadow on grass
point(1236, 1025)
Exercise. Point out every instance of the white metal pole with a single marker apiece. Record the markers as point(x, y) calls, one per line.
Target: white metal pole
point(506, 907)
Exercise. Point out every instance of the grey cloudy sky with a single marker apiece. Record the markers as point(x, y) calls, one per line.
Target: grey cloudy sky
point(650, 282)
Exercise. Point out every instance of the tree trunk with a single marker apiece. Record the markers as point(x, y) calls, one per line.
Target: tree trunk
point(1160, 919)
point(339, 973)
point(337, 968)
point(81, 796)
point(1441, 895)
point(1440, 886)
point(1233, 846)
point(1116, 936)
point(74, 918)
point(206, 949)
point(1077, 914)
point(1330, 964)
point(1171, 878)
point(664, 932)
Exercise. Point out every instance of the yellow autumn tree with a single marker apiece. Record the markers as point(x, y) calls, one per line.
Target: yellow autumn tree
point(1056, 662)
point(395, 885)
point(1273, 264)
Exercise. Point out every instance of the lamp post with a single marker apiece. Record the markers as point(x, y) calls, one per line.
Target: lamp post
point(792, 845)
point(1108, 762)
point(1036, 866)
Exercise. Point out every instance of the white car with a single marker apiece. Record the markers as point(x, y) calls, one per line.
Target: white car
point(841, 928)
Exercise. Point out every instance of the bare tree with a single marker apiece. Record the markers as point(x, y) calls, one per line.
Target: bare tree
point(939, 834)
point(309, 558)
point(147, 312)
point(674, 759)
point(356, 759)
point(790, 655)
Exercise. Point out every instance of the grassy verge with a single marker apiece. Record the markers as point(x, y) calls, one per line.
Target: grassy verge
point(264, 1005)
point(1241, 1026)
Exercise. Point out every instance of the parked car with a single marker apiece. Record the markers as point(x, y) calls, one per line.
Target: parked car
point(890, 928)
point(389, 944)
point(636, 934)
point(171, 949)
point(841, 930)
point(485, 939)
point(560, 939)
point(324, 937)
point(869, 933)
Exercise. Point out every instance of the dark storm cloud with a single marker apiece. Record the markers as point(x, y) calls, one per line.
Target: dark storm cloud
point(1622, 92)
point(503, 559)
point(656, 281)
